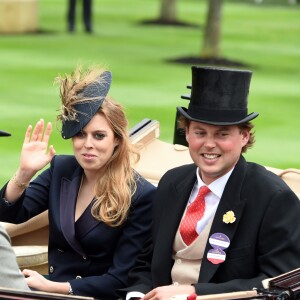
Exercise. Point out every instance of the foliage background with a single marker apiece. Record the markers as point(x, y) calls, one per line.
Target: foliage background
point(265, 37)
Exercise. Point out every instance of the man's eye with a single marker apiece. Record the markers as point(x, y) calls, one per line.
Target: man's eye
point(199, 133)
point(223, 133)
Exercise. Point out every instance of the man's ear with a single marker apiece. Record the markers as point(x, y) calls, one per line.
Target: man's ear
point(245, 136)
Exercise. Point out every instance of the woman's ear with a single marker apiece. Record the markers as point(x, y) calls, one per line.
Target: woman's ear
point(116, 142)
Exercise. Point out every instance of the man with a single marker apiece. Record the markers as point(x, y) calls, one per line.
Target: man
point(86, 15)
point(245, 227)
point(10, 276)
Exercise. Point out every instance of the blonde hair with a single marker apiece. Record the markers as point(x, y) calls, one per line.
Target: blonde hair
point(115, 188)
point(117, 185)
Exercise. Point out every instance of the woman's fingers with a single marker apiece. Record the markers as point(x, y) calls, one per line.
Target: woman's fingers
point(47, 132)
point(40, 130)
point(38, 134)
point(51, 152)
point(27, 134)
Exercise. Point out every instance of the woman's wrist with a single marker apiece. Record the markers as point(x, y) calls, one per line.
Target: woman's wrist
point(19, 184)
point(22, 178)
point(63, 288)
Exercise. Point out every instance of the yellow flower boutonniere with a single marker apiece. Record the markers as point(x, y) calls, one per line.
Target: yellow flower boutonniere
point(229, 217)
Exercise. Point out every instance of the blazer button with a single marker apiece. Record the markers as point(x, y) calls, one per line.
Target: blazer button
point(51, 269)
point(84, 257)
point(78, 277)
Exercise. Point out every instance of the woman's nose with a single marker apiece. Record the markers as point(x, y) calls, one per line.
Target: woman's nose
point(88, 142)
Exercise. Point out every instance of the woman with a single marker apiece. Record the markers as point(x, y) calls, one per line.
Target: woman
point(99, 207)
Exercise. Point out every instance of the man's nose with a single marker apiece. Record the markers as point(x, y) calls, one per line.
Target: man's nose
point(209, 142)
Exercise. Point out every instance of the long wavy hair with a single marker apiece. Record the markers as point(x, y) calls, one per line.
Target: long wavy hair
point(116, 186)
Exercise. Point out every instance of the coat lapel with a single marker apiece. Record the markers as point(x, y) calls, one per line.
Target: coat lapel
point(231, 200)
point(175, 206)
point(170, 218)
point(68, 196)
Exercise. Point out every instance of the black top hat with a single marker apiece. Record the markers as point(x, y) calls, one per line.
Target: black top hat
point(92, 98)
point(219, 96)
point(3, 133)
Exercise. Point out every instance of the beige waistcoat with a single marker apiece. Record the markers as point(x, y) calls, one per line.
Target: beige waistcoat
point(188, 259)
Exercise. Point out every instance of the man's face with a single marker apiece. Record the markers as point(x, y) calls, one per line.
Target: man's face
point(215, 149)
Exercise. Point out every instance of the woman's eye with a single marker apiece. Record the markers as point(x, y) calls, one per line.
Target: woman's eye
point(99, 136)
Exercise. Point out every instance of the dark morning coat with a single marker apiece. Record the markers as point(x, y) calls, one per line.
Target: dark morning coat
point(93, 257)
point(265, 238)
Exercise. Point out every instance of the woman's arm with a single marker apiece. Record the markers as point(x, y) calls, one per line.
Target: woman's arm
point(34, 157)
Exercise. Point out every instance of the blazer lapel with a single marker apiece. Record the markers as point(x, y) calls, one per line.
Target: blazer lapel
point(68, 196)
point(171, 216)
point(231, 201)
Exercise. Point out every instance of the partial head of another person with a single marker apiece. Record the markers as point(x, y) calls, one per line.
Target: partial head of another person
point(4, 133)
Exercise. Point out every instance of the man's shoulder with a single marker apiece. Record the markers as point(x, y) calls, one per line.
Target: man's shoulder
point(260, 176)
point(257, 171)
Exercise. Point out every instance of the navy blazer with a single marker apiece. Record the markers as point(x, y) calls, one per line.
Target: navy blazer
point(92, 256)
point(264, 239)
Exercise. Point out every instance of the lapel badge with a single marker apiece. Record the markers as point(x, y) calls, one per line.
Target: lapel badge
point(216, 256)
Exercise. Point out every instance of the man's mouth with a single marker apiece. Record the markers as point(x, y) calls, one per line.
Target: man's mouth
point(211, 156)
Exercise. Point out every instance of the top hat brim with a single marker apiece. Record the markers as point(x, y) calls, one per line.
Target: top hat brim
point(209, 119)
point(4, 133)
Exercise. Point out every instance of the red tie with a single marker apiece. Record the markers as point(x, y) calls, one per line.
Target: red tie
point(193, 214)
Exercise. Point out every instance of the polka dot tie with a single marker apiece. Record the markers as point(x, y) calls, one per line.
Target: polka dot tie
point(193, 214)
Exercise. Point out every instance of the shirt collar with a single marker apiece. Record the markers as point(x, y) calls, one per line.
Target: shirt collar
point(217, 186)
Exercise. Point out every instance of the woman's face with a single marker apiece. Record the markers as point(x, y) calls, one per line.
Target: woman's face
point(94, 145)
